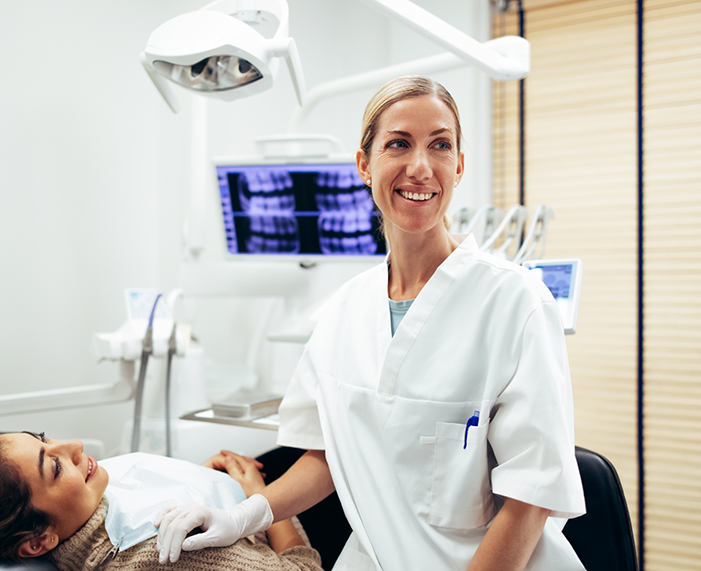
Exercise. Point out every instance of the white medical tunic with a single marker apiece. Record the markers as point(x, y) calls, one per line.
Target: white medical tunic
point(391, 413)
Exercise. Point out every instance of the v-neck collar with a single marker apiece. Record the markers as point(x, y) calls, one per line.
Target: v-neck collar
point(394, 348)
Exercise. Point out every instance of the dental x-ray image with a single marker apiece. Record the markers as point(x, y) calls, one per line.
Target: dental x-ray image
point(305, 209)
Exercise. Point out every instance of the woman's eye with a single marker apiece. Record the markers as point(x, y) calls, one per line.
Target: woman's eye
point(444, 145)
point(57, 469)
point(397, 145)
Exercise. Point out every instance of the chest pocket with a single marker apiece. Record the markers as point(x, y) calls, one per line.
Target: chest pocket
point(461, 495)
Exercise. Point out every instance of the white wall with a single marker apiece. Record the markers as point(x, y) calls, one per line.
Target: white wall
point(96, 171)
point(79, 157)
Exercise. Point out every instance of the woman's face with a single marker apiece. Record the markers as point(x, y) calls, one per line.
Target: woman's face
point(65, 483)
point(414, 164)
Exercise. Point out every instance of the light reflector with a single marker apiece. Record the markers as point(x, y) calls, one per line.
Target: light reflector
point(215, 73)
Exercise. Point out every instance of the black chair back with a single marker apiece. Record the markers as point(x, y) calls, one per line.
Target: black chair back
point(602, 538)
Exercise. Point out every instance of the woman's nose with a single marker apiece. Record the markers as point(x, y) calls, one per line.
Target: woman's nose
point(73, 449)
point(419, 167)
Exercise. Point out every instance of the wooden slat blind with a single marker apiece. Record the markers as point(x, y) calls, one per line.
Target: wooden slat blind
point(581, 160)
point(581, 149)
point(672, 263)
point(505, 127)
point(581, 153)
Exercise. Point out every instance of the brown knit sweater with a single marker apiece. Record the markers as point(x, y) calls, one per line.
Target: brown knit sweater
point(87, 549)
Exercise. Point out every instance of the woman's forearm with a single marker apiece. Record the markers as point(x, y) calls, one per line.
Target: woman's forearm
point(511, 538)
point(304, 485)
point(283, 535)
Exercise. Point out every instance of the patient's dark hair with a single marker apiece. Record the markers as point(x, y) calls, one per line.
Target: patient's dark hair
point(19, 521)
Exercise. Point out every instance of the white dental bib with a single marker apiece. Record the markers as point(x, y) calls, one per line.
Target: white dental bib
point(141, 484)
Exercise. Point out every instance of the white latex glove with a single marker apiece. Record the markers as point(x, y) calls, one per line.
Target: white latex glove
point(221, 527)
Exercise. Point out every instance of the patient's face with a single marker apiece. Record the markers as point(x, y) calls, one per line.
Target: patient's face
point(65, 483)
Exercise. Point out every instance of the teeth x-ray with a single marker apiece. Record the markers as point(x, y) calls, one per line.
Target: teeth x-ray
point(322, 209)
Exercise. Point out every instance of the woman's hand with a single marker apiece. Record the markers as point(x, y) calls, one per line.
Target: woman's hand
point(218, 461)
point(245, 470)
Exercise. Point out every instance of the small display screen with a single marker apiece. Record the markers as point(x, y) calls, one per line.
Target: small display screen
point(558, 279)
point(315, 210)
point(564, 280)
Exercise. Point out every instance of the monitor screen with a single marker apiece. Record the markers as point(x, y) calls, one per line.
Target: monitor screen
point(298, 209)
point(564, 280)
point(557, 278)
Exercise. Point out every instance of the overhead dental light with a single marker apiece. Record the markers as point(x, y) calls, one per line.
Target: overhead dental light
point(226, 50)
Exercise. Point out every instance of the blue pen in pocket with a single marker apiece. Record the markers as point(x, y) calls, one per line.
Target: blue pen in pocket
point(474, 420)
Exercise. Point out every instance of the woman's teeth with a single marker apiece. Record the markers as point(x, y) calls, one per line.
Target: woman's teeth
point(89, 469)
point(415, 195)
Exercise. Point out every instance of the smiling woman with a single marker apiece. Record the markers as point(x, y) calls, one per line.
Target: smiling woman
point(51, 502)
point(410, 157)
point(423, 159)
point(413, 166)
point(65, 484)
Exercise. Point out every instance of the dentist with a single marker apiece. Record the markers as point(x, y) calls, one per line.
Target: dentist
point(434, 394)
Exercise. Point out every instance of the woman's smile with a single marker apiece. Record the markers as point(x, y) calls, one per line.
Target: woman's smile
point(416, 196)
point(92, 464)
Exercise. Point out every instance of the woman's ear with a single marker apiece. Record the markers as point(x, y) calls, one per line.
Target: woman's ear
point(39, 544)
point(362, 165)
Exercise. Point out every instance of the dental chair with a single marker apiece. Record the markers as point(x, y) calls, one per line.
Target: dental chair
point(603, 537)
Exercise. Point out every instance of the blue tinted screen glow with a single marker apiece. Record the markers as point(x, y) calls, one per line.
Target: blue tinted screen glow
point(298, 210)
point(557, 278)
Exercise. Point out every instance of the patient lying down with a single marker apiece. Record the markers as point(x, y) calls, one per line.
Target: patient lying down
point(51, 502)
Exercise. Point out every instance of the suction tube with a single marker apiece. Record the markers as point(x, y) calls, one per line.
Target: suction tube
point(172, 347)
point(138, 399)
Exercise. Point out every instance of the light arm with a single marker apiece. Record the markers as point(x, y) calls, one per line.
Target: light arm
point(371, 79)
point(287, 48)
point(72, 397)
point(505, 58)
point(502, 59)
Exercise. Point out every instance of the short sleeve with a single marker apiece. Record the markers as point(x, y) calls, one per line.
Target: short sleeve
point(532, 427)
point(300, 426)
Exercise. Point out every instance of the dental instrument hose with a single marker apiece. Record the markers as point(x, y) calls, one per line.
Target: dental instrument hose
point(146, 352)
point(172, 346)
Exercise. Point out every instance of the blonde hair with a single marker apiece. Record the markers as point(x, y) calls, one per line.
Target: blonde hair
point(398, 89)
